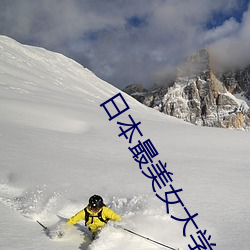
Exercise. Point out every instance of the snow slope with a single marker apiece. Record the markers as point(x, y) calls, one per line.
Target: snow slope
point(58, 148)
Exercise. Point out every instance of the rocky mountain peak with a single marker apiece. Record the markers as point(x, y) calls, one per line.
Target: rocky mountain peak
point(200, 96)
point(196, 64)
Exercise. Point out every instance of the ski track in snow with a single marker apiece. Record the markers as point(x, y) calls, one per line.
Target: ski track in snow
point(38, 204)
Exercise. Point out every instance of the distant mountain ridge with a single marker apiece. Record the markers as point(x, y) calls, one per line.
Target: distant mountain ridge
point(202, 96)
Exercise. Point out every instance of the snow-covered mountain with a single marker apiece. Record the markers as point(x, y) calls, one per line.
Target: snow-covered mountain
point(201, 95)
point(58, 147)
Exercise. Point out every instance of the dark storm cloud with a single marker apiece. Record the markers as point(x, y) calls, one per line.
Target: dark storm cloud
point(132, 41)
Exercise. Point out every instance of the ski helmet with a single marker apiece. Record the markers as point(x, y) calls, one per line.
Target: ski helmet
point(96, 202)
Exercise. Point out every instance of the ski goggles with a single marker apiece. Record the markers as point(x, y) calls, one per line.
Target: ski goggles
point(94, 208)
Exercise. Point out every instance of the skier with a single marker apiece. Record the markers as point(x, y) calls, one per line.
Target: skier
point(95, 214)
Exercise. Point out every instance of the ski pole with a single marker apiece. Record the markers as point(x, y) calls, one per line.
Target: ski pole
point(45, 228)
point(148, 239)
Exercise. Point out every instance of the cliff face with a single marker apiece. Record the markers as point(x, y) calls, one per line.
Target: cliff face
point(237, 81)
point(201, 97)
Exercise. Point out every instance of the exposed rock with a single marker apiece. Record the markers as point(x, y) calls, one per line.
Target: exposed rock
point(237, 81)
point(199, 96)
point(137, 91)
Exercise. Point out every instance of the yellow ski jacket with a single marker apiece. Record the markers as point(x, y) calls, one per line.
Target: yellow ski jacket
point(94, 223)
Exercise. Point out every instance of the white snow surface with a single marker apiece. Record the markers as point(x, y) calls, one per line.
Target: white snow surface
point(58, 148)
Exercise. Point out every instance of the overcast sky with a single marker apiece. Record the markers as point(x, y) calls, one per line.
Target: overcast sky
point(131, 41)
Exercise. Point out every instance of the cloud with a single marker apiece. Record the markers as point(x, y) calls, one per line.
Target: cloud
point(228, 28)
point(126, 42)
point(233, 49)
